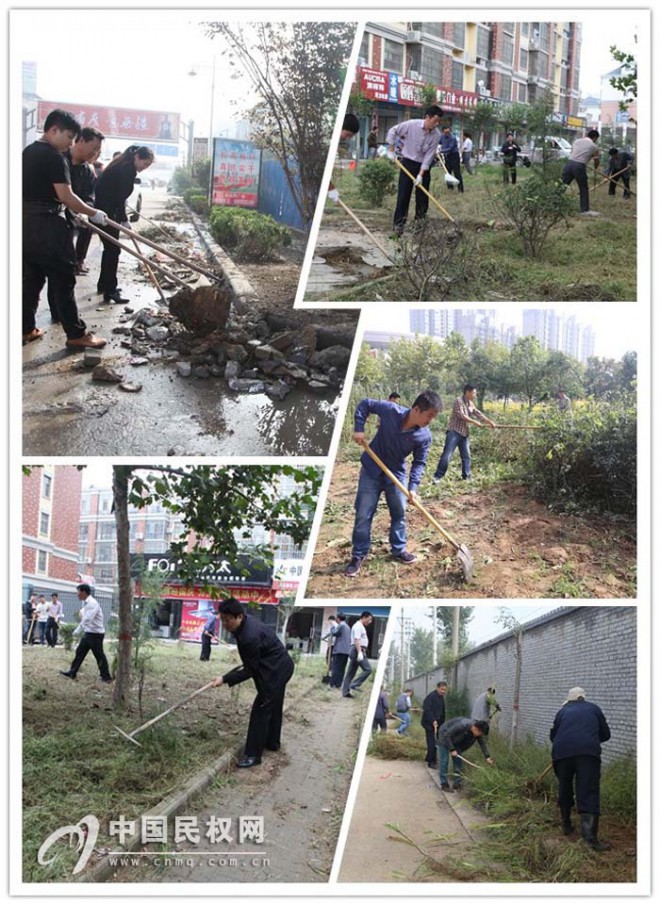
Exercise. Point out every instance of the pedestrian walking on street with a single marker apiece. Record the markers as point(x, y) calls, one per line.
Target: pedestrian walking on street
point(578, 730)
point(265, 660)
point(113, 188)
point(54, 617)
point(419, 140)
point(582, 151)
point(92, 628)
point(509, 151)
point(466, 155)
point(433, 716)
point(48, 252)
point(463, 415)
point(449, 150)
point(358, 655)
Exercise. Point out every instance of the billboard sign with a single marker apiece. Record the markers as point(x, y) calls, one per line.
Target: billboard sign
point(118, 122)
point(235, 173)
point(240, 572)
point(375, 84)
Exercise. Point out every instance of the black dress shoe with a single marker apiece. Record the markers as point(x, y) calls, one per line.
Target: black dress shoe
point(115, 297)
point(247, 762)
point(66, 673)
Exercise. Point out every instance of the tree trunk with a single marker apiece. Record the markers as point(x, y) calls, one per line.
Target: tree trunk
point(120, 476)
point(516, 692)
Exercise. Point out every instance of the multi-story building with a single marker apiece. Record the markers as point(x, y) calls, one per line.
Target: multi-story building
point(51, 505)
point(468, 62)
point(482, 324)
point(554, 330)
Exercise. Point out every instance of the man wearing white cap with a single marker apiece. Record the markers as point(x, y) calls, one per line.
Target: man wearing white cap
point(576, 736)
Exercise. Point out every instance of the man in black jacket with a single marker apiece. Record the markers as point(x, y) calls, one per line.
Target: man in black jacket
point(576, 736)
point(454, 737)
point(265, 661)
point(433, 716)
point(618, 169)
point(509, 151)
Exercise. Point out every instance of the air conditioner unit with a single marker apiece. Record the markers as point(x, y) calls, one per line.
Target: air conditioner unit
point(415, 76)
point(414, 37)
point(532, 79)
point(139, 537)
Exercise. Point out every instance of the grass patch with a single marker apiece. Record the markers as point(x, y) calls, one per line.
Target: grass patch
point(76, 763)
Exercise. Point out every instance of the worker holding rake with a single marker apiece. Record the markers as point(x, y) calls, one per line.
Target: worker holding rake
point(463, 415)
point(455, 737)
point(402, 432)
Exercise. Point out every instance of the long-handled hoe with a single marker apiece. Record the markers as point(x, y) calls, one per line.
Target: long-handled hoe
point(131, 735)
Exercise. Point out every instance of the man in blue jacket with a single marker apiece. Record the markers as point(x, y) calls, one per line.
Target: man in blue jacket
point(449, 149)
point(265, 661)
point(576, 736)
point(401, 432)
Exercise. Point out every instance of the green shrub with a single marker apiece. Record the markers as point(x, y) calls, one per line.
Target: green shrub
point(533, 208)
point(249, 235)
point(376, 178)
point(181, 180)
point(198, 203)
point(66, 630)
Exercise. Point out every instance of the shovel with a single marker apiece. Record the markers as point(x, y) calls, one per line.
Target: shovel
point(449, 179)
point(462, 552)
point(131, 735)
point(423, 189)
point(366, 229)
point(137, 255)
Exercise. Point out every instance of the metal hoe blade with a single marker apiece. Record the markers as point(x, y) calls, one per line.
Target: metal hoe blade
point(129, 737)
point(466, 561)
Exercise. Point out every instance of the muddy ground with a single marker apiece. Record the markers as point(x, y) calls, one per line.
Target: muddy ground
point(520, 548)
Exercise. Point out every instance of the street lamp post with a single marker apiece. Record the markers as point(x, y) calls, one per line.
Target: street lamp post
point(193, 71)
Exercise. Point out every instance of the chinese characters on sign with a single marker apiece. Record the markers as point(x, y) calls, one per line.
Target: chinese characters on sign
point(392, 88)
point(218, 830)
point(235, 177)
point(118, 122)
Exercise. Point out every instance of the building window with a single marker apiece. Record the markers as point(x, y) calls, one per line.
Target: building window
point(105, 502)
point(459, 34)
point(155, 530)
point(44, 523)
point(106, 575)
point(392, 56)
point(505, 90)
point(42, 561)
point(82, 553)
point(522, 94)
point(524, 57)
point(508, 27)
point(507, 50)
point(431, 68)
point(105, 553)
point(430, 28)
point(85, 504)
point(106, 531)
point(524, 29)
point(483, 43)
point(364, 49)
point(46, 485)
point(457, 75)
point(83, 532)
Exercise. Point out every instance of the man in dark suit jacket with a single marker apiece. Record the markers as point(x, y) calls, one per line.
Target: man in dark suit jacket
point(433, 716)
point(265, 661)
point(340, 651)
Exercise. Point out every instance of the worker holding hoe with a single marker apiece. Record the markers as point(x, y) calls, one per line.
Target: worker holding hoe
point(454, 737)
point(463, 415)
point(264, 660)
point(401, 432)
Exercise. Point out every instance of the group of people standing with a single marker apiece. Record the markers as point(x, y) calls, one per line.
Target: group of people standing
point(41, 620)
point(348, 652)
point(60, 190)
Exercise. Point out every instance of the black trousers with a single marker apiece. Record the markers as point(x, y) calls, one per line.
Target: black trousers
point(83, 239)
point(265, 727)
point(48, 255)
point(107, 281)
point(91, 641)
point(585, 772)
point(337, 669)
point(404, 193)
point(51, 632)
point(206, 648)
point(379, 721)
point(509, 170)
point(578, 171)
point(453, 164)
point(431, 746)
point(625, 179)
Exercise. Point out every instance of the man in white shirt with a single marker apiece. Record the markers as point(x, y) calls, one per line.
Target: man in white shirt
point(358, 655)
point(93, 629)
point(42, 618)
point(582, 151)
point(54, 616)
point(467, 151)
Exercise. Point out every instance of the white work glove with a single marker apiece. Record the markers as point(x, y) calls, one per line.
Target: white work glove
point(391, 155)
point(333, 195)
point(418, 179)
point(360, 657)
point(382, 151)
point(100, 218)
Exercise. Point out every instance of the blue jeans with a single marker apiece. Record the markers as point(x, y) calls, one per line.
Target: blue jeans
point(366, 502)
point(406, 721)
point(444, 767)
point(452, 441)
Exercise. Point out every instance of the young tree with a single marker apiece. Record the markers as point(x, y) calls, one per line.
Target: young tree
point(487, 362)
point(421, 651)
point(445, 621)
point(297, 70)
point(482, 118)
point(370, 372)
point(414, 365)
point(219, 507)
point(529, 369)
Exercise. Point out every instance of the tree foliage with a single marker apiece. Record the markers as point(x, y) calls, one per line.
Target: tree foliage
point(421, 651)
point(297, 71)
point(445, 622)
point(534, 208)
point(626, 81)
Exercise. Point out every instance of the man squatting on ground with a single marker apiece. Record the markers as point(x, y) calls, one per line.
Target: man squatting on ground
point(358, 655)
point(433, 716)
point(576, 736)
point(401, 431)
point(419, 141)
point(582, 151)
point(350, 127)
point(264, 660)
point(93, 628)
point(463, 415)
point(48, 252)
point(455, 737)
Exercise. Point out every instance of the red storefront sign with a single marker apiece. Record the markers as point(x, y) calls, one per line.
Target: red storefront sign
point(194, 614)
point(410, 93)
point(248, 595)
point(456, 101)
point(117, 122)
point(374, 83)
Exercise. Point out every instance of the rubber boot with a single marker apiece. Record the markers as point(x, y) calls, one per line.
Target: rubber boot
point(566, 822)
point(589, 827)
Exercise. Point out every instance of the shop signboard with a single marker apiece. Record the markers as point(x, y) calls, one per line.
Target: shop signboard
point(374, 84)
point(235, 176)
point(454, 100)
point(242, 571)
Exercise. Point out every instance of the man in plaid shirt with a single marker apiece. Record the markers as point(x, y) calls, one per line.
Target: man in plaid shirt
point(463, 415)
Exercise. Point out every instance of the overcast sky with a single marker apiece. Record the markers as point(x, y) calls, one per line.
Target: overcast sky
point(483, 625)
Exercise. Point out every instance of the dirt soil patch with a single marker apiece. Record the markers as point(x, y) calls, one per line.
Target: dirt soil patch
point(520, 548)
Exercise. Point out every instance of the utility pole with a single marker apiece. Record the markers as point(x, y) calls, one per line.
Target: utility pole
point(455, 635)
point(434, 629)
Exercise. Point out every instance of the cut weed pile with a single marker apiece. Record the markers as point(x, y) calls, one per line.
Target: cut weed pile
point(75, 763)
point(576, 263)
point(522, 842)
